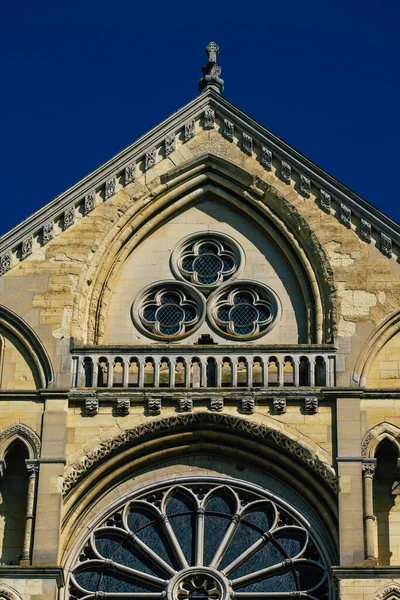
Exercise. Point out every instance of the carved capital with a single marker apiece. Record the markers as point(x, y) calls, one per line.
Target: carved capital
point(32, 467)
point(368, 470)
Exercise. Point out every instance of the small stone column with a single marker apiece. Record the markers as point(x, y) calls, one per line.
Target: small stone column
point(368, 471)
point(32, 468)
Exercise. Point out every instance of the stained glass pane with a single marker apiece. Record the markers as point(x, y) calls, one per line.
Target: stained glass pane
point(279, 583)
point(266, 556)
point(181, 513)
point(124, 552)
point(151, 534)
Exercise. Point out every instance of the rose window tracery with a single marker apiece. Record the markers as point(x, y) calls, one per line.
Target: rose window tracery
point(169, 309)
point(244, 310)
point(201, 540)
point(207, 260)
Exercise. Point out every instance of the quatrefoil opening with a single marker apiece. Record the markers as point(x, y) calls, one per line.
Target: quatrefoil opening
point(168, 310)
point(207, 259)
point(245, 310)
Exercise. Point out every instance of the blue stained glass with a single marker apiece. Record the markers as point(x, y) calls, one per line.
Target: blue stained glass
point(112, 581)
point(187, 264)
point(266, 556)
point(208, 265)
point(150, 532)
point(170, 314)
point(243, 315)
point(262, 518)
point(243, 538)
point(243, 297)
point(170, 298)
point(309, 576)
point(291, 543)
point(279, 583)
point(264, 313)
point(169, 330)
point(221, 504)
point(208, 249)
point(179, 503)
point(215, 527)
point(149, 313)
point(138, 516)
point(190, 313)
point(223, 314)
point(124, 552)
point(89, 578)
point(184, 527)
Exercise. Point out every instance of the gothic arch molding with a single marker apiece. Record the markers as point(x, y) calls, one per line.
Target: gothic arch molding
point(13, 323)
point(8, 593)
point(390, 592)
point(24, 434)
point(185, 186)
point(144, 447)
point(376, 435)
point(380, 336)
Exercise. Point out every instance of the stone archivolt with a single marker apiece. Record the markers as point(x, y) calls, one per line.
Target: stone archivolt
point(263, 432)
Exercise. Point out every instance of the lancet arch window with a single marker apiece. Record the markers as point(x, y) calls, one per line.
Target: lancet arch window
point(201, 538)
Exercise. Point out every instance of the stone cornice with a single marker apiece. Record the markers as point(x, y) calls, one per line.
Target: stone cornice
point(39, 572)
point(213, 111)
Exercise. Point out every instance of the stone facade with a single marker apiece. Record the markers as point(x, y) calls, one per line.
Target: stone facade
point(297, 391)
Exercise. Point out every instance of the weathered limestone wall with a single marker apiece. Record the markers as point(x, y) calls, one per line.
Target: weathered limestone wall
point(18, 371)
point(385, 369)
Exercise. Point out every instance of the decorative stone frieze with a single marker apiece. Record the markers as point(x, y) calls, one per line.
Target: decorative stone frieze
point(154, 406)
point(110, 187)
point(311, 405)
point(169, 144)
point(123, 406)
point(69, 217)
point(228, 130)
point(26, 247)
point(89, 203)
point(279, 405)
point(217, 404)
point(5, 262)
point(345, 215)
point(365, 230)
point(91, 406)
point(48, 232)
point(305, 186)
point(325, 200)
point(247, 405)
point(185, 404)
point(130, 173)
point(286, 172)
point(209, 118)
point(247, 144)
point(189, 130)
point(386, 245)
point(150, 159)
point(266, 158)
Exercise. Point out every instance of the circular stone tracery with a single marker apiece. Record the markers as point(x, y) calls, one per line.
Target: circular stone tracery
point(201, 539)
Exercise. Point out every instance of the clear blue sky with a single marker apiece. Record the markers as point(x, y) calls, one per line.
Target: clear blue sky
point(80, 81)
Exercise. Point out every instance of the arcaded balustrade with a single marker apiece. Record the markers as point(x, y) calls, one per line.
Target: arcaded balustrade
point(215, 368)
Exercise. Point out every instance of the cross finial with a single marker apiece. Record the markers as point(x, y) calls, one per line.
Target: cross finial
point(211, 72)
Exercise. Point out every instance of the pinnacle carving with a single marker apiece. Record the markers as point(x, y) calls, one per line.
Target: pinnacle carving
point(211, 72)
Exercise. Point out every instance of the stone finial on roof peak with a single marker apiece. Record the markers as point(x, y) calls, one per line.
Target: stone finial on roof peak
point(212, 71)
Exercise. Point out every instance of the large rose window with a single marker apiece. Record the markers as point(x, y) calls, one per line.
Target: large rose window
point(201, 540)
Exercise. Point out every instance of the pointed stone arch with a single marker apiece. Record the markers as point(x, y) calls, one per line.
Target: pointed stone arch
point(25, 435)
point(20, 329)
point(390, 592)
point(184, 186)
point(8, 593)
point(380, 336)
